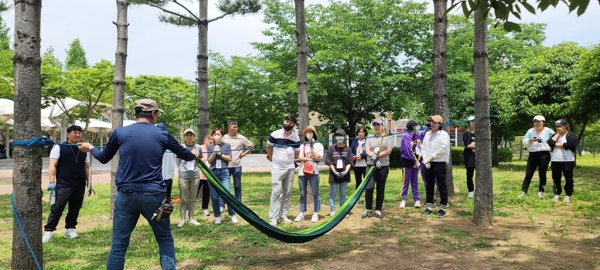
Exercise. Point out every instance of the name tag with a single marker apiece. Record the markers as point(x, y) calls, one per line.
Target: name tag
point(340, 164)
point(418, 151)
point(189, 165)
point(218, 164)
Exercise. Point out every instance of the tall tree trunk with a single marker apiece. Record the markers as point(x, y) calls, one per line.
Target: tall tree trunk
point(483, 213)
point(119, 88)
point(440, 67)
point(27, 170)
point(203, 109)
point(302, 77)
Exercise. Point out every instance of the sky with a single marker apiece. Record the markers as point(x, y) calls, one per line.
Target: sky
point(156, 48)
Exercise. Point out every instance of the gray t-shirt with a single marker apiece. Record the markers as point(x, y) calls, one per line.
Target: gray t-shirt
point(188, 169)
point(376, 142)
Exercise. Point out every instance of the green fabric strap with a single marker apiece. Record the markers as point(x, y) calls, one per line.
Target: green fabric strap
point(263, 226)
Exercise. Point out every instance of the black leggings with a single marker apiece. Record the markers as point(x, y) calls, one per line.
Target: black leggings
point(359, 174)
point(558, 170)
point(205, 193)
point(535, 160)
point(379, 178)
point(470, 173)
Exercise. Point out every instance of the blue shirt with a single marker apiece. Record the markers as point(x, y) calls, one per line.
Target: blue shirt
point(141, 147)
point(225, 150)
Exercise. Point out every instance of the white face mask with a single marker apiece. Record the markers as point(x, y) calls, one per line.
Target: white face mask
point(217, 138)
point(309, 136)
point(339, 138)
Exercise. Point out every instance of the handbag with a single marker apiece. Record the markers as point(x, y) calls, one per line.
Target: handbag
point(308, 169)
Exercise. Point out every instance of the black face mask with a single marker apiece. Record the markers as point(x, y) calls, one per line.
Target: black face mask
point(428, 126)
point(287, 127)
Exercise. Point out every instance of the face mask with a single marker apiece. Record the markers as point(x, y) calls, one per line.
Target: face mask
point(287, 127)
point(428, 126)
point(309, 136)
point(339, 138)
point(217, 138)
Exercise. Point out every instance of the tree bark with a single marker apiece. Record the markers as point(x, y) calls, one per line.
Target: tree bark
point(118, 88)
point(203, 109)
point(483, 212)
point(302, 75)
point(27, 170)
point(440, 67)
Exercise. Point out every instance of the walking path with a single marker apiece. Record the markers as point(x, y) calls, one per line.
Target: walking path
point(101, 172)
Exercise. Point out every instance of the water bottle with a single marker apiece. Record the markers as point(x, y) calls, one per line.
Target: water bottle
point(52, 197)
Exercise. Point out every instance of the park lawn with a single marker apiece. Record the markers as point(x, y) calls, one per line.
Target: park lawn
point(529, 233)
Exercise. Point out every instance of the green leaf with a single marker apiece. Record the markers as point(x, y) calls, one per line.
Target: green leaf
point(573, 5)
point(544, 4)
point(516, 14)
point(582, 7)
point(528, 7)
point(512, 27)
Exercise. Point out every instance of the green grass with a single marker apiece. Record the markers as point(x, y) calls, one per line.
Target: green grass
point(242, 246)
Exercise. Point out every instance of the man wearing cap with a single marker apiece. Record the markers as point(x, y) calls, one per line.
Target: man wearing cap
point(240, 147)
point(189, 179)
point(379, 148)
point(283, 148)
point(436, 153)
point(140, 186)
point(536, 141)
point(563, 145)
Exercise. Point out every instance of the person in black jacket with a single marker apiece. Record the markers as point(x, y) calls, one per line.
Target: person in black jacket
point(563, 144)
point(469, 154)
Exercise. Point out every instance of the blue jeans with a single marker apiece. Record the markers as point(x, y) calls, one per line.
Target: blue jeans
point(314, 185)
point(128, 208)
point(333, 188)
point(223, 175)
point(236, 173)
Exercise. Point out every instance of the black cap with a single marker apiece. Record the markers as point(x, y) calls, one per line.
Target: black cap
point(560, 123)
point(411, 125)
point(341, 132)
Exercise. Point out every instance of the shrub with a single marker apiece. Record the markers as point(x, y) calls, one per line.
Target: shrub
point(457, 156)
point(395, 158)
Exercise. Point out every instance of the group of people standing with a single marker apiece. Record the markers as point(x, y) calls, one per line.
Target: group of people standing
point(546, 145)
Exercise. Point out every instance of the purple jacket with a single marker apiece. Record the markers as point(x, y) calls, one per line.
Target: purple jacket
point(406, 147)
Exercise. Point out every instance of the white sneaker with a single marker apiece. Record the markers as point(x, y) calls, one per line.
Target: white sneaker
point(47, 237)
point(402, 204)
point(332, 213)
point(286, 220)
point(180, 224)
point(194, 222)
point(541, 194)
point(205, 213)
point(273, 222)
point(70, 233)
point(299, 217)
point(470, 195)
point(417, 204)
point(218, 221)
point(315, 218)
point(234, 219)
point(567, 199)
point(556, 198)
point(522, 195)
point(222, 209)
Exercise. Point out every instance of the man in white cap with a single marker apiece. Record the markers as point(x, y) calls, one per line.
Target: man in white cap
point(436, 153)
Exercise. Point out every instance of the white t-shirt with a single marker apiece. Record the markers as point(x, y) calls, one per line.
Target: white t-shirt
point(284, 148)
point(55, 153)
point(305, 151)
point(560, 154)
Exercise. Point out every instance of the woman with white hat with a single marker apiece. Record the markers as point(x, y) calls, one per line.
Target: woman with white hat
point(536, 140)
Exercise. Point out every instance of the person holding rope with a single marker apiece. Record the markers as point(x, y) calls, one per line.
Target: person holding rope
point(339, 159)
point(68, 176)
point(410, 155)
point(469, 155)
point(379, 148)
point(140, 186)
point(536, 140)
point(436, 152)
point(219, 155)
